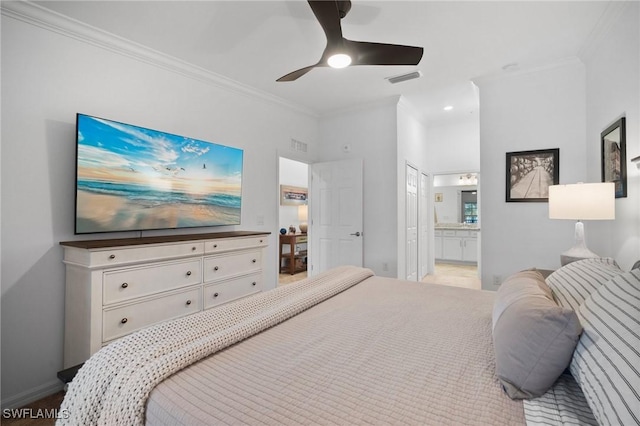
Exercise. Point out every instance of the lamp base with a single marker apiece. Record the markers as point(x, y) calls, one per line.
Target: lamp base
point(579, 250)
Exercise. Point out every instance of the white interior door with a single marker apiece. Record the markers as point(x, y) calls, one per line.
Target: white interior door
point(423, 228)
point(412, 223)
point(336, 205)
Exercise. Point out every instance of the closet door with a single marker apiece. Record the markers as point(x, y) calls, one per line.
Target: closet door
point(411, 200)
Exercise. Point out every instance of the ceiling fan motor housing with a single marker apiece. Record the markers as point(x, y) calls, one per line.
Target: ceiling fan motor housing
point(344, 6)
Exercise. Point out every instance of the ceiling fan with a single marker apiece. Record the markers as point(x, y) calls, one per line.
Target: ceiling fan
point(341, 52)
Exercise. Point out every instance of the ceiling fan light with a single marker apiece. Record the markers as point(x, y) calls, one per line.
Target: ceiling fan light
point(339, 60)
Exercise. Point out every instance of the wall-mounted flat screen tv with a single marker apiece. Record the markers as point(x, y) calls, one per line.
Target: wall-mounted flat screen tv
point(130, 178)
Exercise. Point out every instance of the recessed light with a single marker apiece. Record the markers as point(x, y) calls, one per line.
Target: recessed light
point(448, 108)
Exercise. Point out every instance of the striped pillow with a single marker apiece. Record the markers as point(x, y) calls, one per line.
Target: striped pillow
point(606, 362)
point(574, 282)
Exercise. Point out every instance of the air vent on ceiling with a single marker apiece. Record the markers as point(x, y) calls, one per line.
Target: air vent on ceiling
point(404, 77)
point(297, 145)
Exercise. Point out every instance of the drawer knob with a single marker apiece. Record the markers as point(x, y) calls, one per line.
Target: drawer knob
point(188, 302)
point(253, 283)
point(215, 268)
point(215, 246)
point(188, 273)
point(215, 294)
point(260, 241)
point(124, 320)
point(113, 256)
point(193, 249)
point(253, 260)
point(124, 285)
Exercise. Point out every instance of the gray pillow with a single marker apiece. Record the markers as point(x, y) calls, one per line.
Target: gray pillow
point(533, 337)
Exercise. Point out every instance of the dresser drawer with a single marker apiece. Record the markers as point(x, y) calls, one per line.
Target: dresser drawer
point(123, 320)
point(227, 266)
point(126, 284)
point(449, 233)
point(230, 290)
point(226, 244)
point(123, 256)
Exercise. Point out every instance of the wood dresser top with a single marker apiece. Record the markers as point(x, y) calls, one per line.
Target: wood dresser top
point(120, 242)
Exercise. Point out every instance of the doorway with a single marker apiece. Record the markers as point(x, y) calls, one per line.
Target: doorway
point(293, 184)
point(456, 230)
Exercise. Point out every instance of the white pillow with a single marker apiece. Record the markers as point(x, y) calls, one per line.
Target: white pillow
point(606, 362)
point(574, 282)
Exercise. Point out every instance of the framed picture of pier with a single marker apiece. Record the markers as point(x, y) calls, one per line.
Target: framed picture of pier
point(530, 173)
point(614, 156)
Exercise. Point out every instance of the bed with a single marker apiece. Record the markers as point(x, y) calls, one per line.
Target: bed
point(348, 347)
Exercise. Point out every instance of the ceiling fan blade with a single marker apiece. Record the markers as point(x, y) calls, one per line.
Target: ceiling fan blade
point(296, 74)
point(367, 53)
point(328, 16)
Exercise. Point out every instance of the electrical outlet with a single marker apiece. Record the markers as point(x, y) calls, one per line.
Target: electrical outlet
point(497, 280)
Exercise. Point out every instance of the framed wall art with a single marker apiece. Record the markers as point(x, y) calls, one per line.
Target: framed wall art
point(530, 173)
point(293, 195)
point(614, 156)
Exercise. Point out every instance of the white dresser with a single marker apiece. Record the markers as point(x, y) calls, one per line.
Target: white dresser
point(115, 287)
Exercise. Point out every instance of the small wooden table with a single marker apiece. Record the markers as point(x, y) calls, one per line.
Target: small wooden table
point(294, 260)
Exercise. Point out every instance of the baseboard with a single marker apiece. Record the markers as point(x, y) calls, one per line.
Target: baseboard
point(33, 394)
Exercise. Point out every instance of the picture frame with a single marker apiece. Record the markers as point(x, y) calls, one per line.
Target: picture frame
point(293, 195)
point(530, 173)
point(613, 153)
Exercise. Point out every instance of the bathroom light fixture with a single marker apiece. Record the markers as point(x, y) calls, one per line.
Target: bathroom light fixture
point(581, 201)
point(468, 179)
point(339, 60)
point(448, 108)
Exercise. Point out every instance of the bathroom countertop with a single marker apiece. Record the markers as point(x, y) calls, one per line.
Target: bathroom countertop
point(456, 227)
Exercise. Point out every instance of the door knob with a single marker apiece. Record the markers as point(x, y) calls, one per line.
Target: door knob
point(357, 234)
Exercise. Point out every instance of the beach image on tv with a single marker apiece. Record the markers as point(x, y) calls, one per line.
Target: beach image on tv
point(132, 178)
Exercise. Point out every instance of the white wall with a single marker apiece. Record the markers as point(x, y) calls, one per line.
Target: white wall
point(539, 109)
point(371, 132)
point(293, 173)
point(613, 90)
point(48, 77)
point(454, 145)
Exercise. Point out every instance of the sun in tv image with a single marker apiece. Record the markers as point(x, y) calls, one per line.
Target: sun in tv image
point(132, 178)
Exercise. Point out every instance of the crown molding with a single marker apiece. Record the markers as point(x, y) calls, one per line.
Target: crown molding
point(612, 13)
point(49, 20)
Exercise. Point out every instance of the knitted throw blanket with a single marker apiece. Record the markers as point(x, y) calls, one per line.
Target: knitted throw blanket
point(113, 385)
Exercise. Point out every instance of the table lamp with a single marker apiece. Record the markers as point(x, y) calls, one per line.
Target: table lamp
point(302, 217)
point(581, 201)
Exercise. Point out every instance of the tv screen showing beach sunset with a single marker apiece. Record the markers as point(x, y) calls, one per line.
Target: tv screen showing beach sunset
point(131, 179)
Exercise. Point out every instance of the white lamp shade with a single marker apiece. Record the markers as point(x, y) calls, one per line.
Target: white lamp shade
point(303, 213)
point(582, 201)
